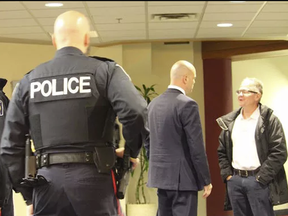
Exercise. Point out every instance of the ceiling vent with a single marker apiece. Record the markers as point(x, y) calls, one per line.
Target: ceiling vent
point(174, 17)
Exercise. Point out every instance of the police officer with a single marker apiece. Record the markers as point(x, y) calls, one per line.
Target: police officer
point(68, 105)
point(6, 196)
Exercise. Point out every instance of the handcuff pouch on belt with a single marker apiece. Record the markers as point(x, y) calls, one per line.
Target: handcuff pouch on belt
point(104, 158)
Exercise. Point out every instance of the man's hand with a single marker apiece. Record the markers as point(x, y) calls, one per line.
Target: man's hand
point(229, 177)
point(207, 190)
point(29, 210)
point(134, 161)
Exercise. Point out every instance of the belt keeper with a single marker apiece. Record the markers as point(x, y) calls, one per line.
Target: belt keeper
point(44, 160)
point(38, 160)
point(87, 156)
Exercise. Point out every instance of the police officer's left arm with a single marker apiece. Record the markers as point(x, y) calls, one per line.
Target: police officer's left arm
point(130, 106)
point(13, 139)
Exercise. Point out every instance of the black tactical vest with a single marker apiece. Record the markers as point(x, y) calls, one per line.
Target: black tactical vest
point(67, 107)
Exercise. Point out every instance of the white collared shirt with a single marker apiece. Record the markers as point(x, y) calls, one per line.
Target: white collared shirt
point(245, 156)
point(176, 87)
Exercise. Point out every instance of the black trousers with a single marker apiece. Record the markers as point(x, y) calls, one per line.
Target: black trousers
point(75, 190)
point(8, 209)
point(248, 197)
point(177, 203)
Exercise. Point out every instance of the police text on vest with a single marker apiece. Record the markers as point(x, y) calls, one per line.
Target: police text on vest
point(71, 85)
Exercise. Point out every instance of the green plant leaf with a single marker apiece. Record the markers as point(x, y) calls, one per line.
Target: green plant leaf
point(148, 92)
point(138, 88)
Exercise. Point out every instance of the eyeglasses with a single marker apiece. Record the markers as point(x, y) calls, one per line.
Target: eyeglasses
point(245, 92)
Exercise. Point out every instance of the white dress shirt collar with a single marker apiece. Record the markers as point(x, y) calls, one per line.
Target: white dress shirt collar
point(176, 87)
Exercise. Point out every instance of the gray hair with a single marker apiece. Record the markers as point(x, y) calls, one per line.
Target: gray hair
point(254, 84)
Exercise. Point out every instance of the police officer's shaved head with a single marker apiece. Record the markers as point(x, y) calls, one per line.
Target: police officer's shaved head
point(71, 29)
point(183, 74)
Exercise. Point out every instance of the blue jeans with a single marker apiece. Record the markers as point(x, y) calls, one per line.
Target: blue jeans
point(249, 197)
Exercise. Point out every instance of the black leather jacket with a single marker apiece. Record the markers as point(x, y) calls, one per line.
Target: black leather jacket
point(271, 149)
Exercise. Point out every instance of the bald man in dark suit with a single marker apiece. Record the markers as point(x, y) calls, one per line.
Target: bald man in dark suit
point(178, 164)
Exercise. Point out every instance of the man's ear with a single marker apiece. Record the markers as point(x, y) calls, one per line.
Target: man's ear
point(258, 97)
point(86, 40)
point(185, 79)
point(54, 41)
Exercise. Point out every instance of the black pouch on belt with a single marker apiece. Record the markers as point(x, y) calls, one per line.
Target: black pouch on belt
point(104, 158)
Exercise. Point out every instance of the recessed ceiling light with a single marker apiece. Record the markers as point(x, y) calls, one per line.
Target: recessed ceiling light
point(224, 24)
point(54, 4)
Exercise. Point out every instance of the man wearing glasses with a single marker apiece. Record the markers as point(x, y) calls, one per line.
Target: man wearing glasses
point(251, 155)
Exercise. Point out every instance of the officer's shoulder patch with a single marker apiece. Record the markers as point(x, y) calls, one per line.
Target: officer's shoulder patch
point(1, 108)
point(102, 58)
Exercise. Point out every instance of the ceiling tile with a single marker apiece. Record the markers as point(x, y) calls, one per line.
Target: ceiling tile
point(121, 26)
point(275, 8)
point(117, 4)
point(19, 30)
point(117, 12)
point(174, 3)
point(94, 41)
point(46, 21)
point(267, 30)
point(115, 19)
point(41, 4)
point(277, 2)
point(49, 28)
point(53, 12)
point(4, 6)
point(104, 34)
point(227, 17)
point(232, 8)
point(119, 38)
point(14, 14)
point(218, 36)
point(17, 22)
point(171, 31)
point(216, 31)
point(272, 16)
point(175, 9)
point(269, 23)
point(173, 25)
point(265, 36)
point(234, 3)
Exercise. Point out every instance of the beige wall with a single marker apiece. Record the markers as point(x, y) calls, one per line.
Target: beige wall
point(146, 64)
point(18, 59)
point(273, 72)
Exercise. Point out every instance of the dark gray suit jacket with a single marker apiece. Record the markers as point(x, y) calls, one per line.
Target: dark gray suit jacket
point(177, 157)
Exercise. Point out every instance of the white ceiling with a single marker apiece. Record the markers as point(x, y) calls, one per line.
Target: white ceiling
point(122, 21)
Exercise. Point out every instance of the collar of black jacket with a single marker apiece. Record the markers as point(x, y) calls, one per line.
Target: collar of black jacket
point(225, 120)
point(2, 83)
point(68, 50)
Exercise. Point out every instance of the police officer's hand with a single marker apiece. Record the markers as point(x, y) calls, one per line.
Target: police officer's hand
point(207, 190)
point(120, 153)
point(30, 210)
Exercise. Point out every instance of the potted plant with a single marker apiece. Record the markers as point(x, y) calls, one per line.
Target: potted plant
point(148, 94)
